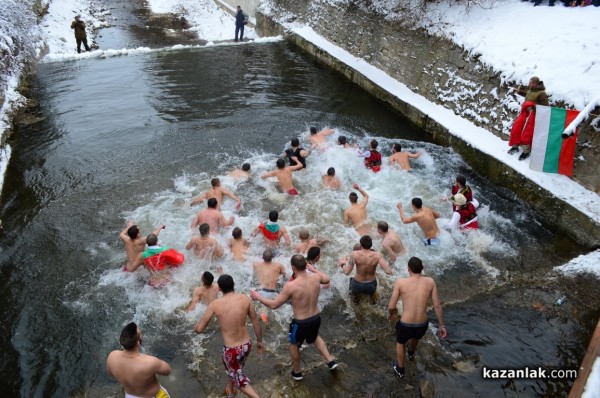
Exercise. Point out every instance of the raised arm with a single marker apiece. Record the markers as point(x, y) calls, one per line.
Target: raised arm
point(158, 229)
point(405, 220)
point(363, 203)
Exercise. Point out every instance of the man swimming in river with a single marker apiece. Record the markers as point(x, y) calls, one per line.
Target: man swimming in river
point(206, 293)
point(204, 246)
point(400, 157)
point(158, 260)
point(238, 245)
point(212, 216)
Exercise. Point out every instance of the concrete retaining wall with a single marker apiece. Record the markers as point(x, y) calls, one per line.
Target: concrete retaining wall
point(557, 214)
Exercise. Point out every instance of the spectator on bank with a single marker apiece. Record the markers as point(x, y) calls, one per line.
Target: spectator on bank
point(241, 19)
point(80, 35)
point(521, 133)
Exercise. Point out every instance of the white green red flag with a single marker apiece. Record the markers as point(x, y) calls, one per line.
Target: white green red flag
point(551, 153)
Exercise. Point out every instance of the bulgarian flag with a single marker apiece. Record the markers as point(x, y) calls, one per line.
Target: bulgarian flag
point(551, 153)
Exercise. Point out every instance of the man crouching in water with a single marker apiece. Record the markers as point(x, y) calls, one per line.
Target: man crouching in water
point(134, 370)
point(231, 311)
point(415, 292)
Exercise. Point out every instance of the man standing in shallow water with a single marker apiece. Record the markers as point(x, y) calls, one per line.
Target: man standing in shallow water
point(135, 371)
point(415, 292)
point(231, 311)
point(303, 292)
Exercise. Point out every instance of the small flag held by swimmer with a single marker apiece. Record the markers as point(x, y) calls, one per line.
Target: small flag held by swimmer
point(551, 153)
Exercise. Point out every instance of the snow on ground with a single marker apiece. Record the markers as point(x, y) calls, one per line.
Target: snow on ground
point(585, 263)
point(592, 387)
point(209, 20)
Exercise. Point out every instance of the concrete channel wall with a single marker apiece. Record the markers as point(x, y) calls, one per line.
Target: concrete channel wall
point(556, 213)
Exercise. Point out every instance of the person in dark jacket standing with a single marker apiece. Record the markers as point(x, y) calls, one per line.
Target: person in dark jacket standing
point(80, 35)
point(241, 20)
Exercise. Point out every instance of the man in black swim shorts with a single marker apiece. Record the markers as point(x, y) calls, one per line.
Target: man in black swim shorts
point(415, 291)
point(303, 292)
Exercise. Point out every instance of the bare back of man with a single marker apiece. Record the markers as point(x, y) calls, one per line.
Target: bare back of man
point(331, 182)
point(212, 217)
point(217, 192)
point(366, 262)
point(204, 294)
point(135, 371)
point(425, 218)
point(205, 247)
point(238, 248)
point(357, 212)
point(284, 175)
point(402, 159)
point(392, 245)
point(318, 139)
point(267, 273)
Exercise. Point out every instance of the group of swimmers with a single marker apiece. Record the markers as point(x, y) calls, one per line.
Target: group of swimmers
point(303, 288)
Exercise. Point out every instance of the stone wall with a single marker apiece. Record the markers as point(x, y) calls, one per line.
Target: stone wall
point(557, 214)
point(431, 66)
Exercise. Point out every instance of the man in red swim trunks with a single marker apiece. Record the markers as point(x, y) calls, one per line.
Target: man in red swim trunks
point(231, 311)
point(284, 175)
point(272, 231)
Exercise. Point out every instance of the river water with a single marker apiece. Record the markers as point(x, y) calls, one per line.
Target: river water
point(136, 137)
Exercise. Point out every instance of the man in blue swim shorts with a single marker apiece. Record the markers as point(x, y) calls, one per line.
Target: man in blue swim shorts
point(415, 292)
point(425, 218)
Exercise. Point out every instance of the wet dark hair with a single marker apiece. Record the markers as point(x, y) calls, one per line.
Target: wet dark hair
point(353, 197)
point(331, 171)
point(295, 142)
point(417, 202)
point(225, 283)
point(462, 180)
point(204, 229)
point(313, 130)
point(212, 203)
point(299, 262)
point(207, 278)
point(246, 167)
point(342, 140)
point(374, 144)
point(133, 231)
point(313, 253)
point(366, 242)
point(215, 182)
point(280, 163)
point(129, 336)
point(152, 240)
point(382, 226)
point(304, 234)
point(268, 255)
point(398, 147)
point(415, 264)
point(273, 216)
point(236, 233)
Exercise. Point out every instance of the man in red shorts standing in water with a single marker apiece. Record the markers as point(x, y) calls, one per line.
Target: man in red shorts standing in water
point(231, 311)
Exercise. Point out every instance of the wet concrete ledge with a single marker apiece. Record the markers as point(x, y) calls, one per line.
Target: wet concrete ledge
point(556, 213)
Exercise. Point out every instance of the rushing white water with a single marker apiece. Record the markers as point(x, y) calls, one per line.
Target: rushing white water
point(317, 209)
